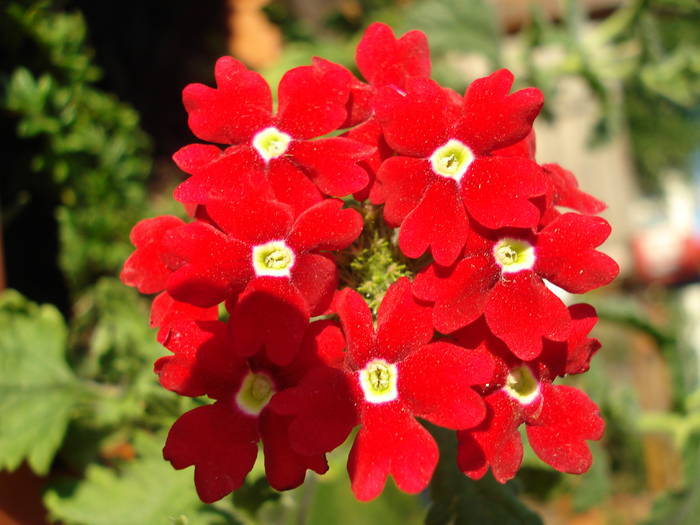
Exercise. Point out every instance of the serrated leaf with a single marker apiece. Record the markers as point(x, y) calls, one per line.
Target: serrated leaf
point(145, 491)
point(459, 500)
point(38, 391)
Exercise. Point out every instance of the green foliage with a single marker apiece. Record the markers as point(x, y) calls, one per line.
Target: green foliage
point(38, 391)
point(91, 150)
point(144, 491)
point(459, 500)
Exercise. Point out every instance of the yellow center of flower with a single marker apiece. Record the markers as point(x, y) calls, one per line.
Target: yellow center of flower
point(514, 255)
point(452, 159)
point(255, 392)
point(274, 259)
point(378, 381)
point(522, 385)
point(271, 143)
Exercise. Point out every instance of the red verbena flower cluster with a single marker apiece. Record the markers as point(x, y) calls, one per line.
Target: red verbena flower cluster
point(474, 343)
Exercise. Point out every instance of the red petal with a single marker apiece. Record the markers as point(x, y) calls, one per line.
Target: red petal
point(325, 226)
point(284, 468)
point(522, 310)
point(316, 277)
point(495, 443)
point(565, 191)
point(558, 435)
point(404, 181)
point(312, 99)
point(323, 407)
point(216, 265)
point(253, 221)
point(580, 348)
point(165, 311)
point(403, 324)
point(416, 122)
point(145, 269)
point(524, 148)
point(496, 192)
point(233, 112)
point(332, 163)
point(494, 119)
point(220, 442)
point(566, 254)
point(436, 383)
point(439, 222)
point(358, 326)
point(271, 313)
point(390, 441)
point(384, 60)
point(291, 185)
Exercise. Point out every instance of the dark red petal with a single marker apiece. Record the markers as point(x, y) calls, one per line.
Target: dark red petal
point(463, 296)
point(291, 185)
point(558, 435)
point(233, 112)
point(323, 407)
point(316, 277)
point(565, 191)
point(253, 221)
point(216, 265)
point(495, 443)
point(580, 347)
point(203, 362)
point(325, 226)
point(270, 313)
point(370, 133)
point(356, 319)
point(323, 345)
point(285, 469)
point(384, 60)
point(145, 269)
point(332, 163)
point(494, 119)
point(403, 324)
point(404, 181)
point(312, 99)
point(436, 383)
point(417, 121)
point(233, 175)
point(220, 442)
point(566, 253)
point(521, 310)
point(439, 222)
point(165, 311)
point(390, 441)
point(496, 192)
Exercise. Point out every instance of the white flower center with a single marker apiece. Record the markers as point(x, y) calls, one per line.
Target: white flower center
point(256, 391)
point(270, 143)
point(378, 381)
point(522, 385)
point(514, 255)
point(452, 159)
point(274, 259)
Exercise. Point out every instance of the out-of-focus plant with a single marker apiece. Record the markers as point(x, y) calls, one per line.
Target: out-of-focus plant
point(87, 146)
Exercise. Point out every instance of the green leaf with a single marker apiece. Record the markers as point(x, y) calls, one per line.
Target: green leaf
point(462, 501)
point(38, 391)
point(145, 491)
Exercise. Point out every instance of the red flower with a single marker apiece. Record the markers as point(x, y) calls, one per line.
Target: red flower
point(502, 277)
point(270, 153)
point(275, 262)
point(166, 311)
point(445, 163)
point(559, 419)
point(220, 440)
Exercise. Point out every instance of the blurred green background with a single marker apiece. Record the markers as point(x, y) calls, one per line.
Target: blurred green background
point(91, 113)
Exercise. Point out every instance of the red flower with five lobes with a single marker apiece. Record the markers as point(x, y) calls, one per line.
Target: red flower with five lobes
point(220, 440)
point(395, 375)
point(559, 418)
point(272, 270)
point(271, 152)
point(501, 277)
point(445, 167)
